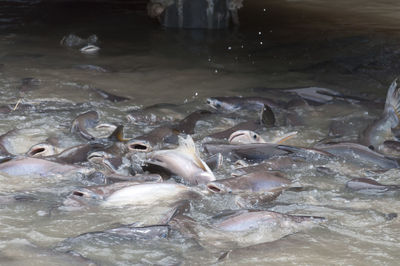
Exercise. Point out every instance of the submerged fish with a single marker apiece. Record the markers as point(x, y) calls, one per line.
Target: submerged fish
point(385, 127)
point(231, 103)
point(84, 121)
point(251, 152)
point(248, 137)
point(266, 119)
point(364, 184)
point(34, 166)
point(130, 193)
point(168, 134)
point(183, 161)
point(255, 187)
point(357, 153)
point(242, 228)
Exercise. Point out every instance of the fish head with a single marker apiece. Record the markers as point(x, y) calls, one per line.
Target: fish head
point(42, 150)
point(81, 197)
point(218, 188)
point(245, 137)
point(221, 105)
point(137, 145)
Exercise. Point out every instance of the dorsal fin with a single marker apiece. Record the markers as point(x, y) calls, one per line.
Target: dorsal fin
point(118, 134)
point(187, 146)
point(267, 117)
point(392, 104)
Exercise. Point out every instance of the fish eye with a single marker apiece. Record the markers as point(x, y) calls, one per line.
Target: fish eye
point(218, 105)
point(254, 136)
point(208, 102)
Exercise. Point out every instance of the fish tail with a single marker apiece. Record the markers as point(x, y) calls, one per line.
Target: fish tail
point(118, 134)
point(392, 104)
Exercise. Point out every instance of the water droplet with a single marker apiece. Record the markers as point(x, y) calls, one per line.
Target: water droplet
point(216, 71)
point(229, 48)
point(264, 9)
point(261, 43)
point(259, 33)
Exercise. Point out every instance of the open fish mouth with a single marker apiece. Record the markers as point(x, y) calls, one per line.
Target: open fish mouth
point(139, 146)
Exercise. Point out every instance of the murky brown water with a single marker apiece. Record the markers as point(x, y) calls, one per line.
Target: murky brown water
point(348, 46)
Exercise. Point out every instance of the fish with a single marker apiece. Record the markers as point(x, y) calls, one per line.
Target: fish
point(365, 184)
point(261, 181)
point(184, 162)
point(34, 166)
point(386, 125)
point(90, 49)
point(43, 150)
point(232, 103)
point(252, 152)
point(266, 119)
point(249, 137)
point(109, 96)
point(130, 193)
point(261, 186)
point(243, 228)
point(84, 121)
point(360, 154)
point(168, 134)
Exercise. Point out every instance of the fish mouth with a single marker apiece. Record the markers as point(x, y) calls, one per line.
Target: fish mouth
point(39, 150)
point(139, 146)
point(36, 152)
point(217, 188)
point(236, 135)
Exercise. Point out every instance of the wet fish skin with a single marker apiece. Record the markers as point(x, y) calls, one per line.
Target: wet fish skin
point(369, 184)
point(382, 128)
point(183, 161)
point(34, 166)
point(357, 153)
point(84, 121)
point(232, 103)
point(260, 181)
point(253, 219)
point(252, 152)
point(253, 188)
point(109, 96)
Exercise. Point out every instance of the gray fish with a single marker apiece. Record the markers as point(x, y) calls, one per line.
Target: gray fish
point(248, 220)
point(168, 134)
point(130, 193)
point(255, 187)
point(33, 166)
point(232, 103)
point(76, 154)
point(266, 119)
point(251, 152)
point(184, 162)
point(383, 128)
point(84, 121)
point(243, 228)
point(357, 153)
point(109, 96)
point(359, 184)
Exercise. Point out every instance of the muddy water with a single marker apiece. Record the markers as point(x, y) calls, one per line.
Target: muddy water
point(351, 47)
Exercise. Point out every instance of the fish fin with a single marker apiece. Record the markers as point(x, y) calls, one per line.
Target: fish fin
point(187, 146)
point(267, 117)
point(118, 134)
point(392, 104)
point(285, 137)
